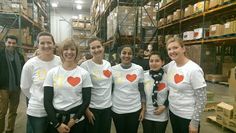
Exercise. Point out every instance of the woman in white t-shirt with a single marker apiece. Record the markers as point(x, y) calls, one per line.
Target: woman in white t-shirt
point(67, 92)
point(98, 114)
point(156, 114)
point(32, 78)
point(128, 97)
point(187, 89)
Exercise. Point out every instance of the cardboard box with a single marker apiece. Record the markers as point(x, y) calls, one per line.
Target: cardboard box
point(169, 19)
point(188, 11)
point(232, 79)
point(216, 30)
point(162, 22)
point(230, 27)
point(214, 3)
point(232, 125)
point(177, 15)
point(219, 119)
point(226, 67)
point(188, 35)
point(198, 33)
point(198, 7)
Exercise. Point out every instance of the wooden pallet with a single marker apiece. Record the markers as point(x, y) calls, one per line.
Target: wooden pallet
point(212, 119)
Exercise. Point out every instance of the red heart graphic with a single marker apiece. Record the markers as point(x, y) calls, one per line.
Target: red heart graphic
point(161, 86)
point(107, 73)
point(178, 78)
point(73, 81)
point(131, 77)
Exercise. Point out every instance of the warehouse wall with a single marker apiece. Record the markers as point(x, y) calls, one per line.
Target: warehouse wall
point(61, 22)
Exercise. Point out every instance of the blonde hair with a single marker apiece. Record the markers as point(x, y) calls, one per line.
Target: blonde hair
point(68, 43)
point(175, 39)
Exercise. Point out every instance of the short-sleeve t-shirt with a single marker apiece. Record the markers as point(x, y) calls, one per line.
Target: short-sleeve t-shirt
point(126, 96)
point(67, 86)
point(181, 82)
point(101, 77)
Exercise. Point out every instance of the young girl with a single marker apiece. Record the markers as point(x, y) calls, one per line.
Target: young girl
point(32, 78)
point(156, 116)
point(99, 111)
point(67, 91)
point(128, 93)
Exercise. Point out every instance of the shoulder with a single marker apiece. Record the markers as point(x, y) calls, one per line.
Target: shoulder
point(135, 66)
point(54, 69)
point(193, 66)
point(106, 62)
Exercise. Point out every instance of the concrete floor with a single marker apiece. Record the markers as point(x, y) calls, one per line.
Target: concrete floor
point(222, 93)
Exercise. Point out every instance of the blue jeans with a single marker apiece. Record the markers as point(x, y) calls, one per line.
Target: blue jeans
point(38, 124)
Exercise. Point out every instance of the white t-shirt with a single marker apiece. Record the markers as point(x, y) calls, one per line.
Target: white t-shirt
point(67, 86)
point(126, 96)
point(148, 87)
point(33, 75)
point(181, 82)
point(102, 83)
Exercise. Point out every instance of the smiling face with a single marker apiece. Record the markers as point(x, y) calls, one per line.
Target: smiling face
point(69, 54)
point(45, 45)
point(155, 62)
point(175, 51)
point(69, 51)
point(126, 55)
point(96, 49)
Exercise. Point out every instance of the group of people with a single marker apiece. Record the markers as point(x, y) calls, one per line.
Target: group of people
point(64, 97)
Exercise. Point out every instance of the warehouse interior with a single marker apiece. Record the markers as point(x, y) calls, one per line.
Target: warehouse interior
point(207, 27)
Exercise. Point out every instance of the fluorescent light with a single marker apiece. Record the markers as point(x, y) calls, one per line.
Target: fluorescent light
point(54, 4)
point(74, 17)
point(79, 2)
point(80, 16)
point(78, 7)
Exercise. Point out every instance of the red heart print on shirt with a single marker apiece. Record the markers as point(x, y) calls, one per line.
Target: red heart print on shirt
point(73, 80)
point(131, 77)
point(178, 78)
point(161, 86)
point(107, 73)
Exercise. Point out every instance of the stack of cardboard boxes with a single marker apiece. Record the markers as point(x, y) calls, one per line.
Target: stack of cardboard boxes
point(149, 16)
point(225, 115)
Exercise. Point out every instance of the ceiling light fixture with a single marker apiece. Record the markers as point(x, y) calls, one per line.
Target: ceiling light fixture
point(78, 7)
point(79, 2)
point(54, 4)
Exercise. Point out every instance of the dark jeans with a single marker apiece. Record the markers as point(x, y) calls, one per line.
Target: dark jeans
point(126, 123)
point(38, 124)
point(77, 128)
point(154, 126)
point(102, 122)
point(28, 125)
point(179, 124)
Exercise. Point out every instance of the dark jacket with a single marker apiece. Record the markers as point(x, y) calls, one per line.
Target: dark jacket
point(4, 72)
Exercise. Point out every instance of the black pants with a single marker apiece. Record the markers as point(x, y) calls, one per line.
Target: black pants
point(77, 128)
point(154, 126)
point(102, 122)
point(179, 124)
point(126, 123)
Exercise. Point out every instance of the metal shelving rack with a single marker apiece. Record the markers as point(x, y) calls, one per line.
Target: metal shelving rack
point(19, 19)
point(218, 47)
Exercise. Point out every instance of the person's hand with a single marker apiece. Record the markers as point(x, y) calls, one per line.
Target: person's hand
point(142, 113)
point(63, 128)
point(90, 116)
point(71, 122)
point(160, 109)
point(192, 129)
